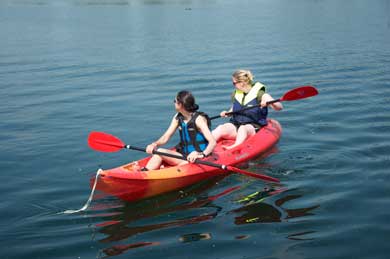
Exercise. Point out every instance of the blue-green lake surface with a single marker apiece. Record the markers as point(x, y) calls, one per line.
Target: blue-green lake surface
point(69, 67)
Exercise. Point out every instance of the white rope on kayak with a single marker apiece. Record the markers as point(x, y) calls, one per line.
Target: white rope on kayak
point(86, 205)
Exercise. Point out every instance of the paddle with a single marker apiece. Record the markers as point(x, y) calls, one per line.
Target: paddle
point(105, 142)
point(292, 95)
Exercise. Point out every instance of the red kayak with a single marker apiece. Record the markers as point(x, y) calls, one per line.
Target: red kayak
point(128, 183)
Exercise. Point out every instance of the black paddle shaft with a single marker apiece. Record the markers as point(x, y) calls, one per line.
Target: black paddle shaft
point(244, 109)
point(156, 152)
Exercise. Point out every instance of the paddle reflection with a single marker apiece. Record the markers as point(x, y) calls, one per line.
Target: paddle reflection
point(260, 212)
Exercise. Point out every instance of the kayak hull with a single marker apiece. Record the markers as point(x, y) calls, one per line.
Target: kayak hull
point(128, 183)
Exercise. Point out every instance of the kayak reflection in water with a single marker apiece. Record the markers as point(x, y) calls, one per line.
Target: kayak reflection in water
point(196, 140)
point(244, 124)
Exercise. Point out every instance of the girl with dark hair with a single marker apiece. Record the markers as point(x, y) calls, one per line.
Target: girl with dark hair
point(196, 140)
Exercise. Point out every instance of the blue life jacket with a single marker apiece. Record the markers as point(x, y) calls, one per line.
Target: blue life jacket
point(191, 138)
point(256, 116)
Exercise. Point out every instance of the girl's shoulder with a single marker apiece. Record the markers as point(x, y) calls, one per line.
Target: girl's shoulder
point(261, 90)
point(202, 116)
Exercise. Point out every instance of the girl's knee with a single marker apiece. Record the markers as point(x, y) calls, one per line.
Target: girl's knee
point(242, 129)
point(157, 158)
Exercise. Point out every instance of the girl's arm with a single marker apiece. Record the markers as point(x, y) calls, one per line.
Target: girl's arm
point(223, 113)
point(201, 123)
point(165, 137)
point(266, 98)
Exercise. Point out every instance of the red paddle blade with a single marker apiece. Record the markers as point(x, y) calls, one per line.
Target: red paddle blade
point(104, 142)
point(299, 93)
point(259, 176)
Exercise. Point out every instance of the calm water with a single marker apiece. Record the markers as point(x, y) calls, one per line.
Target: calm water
point(70, 67)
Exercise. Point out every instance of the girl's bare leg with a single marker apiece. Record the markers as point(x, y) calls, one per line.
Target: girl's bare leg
point(156, 160)
point(225, 131)
point(244, 132)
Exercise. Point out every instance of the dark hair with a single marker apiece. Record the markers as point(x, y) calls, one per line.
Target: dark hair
point(188, 100)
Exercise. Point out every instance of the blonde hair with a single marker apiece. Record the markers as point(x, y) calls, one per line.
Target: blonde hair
point(243, 76)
